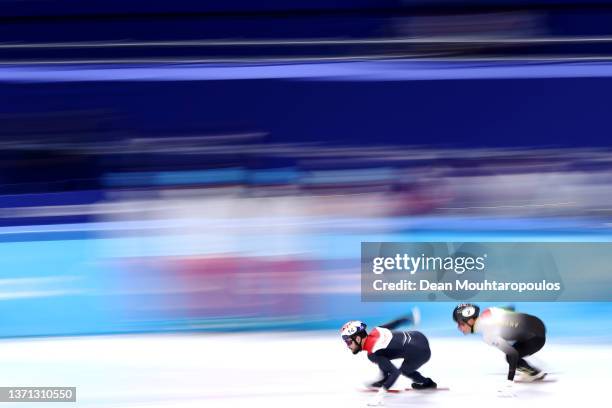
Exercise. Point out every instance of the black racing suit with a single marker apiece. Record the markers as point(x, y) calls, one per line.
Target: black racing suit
point(384, 345)
point(516, 334)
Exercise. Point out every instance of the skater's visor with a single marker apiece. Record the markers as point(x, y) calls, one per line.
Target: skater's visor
point(347, 340)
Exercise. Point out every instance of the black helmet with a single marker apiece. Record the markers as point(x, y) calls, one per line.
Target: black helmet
point(465, 312)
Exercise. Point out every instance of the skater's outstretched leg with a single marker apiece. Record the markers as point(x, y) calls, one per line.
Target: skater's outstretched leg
point(413, 318)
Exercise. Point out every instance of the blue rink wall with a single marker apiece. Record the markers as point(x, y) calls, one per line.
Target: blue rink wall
point(64, 284)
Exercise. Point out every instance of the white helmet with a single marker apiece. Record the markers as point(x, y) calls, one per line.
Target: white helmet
point(353, 329)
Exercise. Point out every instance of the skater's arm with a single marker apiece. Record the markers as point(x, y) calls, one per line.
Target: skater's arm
point(513, 358)
point(387, 367)
point(393, 324)
point(511, 355)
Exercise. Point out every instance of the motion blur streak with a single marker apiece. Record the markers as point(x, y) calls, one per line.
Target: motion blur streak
point(185, 186)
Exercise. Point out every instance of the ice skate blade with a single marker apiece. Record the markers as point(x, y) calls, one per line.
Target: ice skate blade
point(538, 379)
point(392, 391)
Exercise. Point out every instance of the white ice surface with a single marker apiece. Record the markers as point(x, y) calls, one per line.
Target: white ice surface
point(287, 370)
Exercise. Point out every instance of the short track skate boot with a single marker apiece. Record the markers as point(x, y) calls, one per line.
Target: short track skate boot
point(530, 374)
point(533, 376)
point(427, 384)
point(376, 384)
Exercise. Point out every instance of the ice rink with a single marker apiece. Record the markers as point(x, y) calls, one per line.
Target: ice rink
point(274, 369)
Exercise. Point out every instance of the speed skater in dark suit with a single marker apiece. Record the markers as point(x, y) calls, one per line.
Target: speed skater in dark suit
point(383, 344)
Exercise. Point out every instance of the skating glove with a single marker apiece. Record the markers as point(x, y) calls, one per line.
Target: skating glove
point(378, 399)
point(506, 390)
